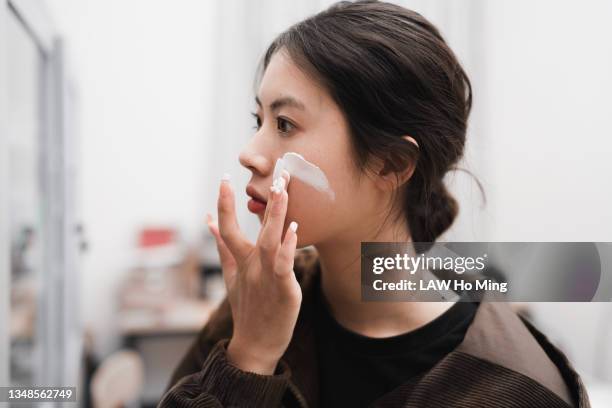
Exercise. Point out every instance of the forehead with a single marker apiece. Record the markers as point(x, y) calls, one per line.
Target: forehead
point(283, 78)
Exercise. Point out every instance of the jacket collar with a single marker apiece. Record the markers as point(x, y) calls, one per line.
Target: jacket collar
point(495, 327)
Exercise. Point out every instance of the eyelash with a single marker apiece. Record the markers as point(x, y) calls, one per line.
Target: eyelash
point(279, 120)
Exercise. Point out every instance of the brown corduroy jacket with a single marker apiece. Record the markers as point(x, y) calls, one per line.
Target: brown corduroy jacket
point(503, 361)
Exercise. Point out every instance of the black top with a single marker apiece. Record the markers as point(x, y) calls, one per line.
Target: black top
point(355, 370)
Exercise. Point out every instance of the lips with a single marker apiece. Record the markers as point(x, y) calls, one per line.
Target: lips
point(257, 203)
point(251, 192)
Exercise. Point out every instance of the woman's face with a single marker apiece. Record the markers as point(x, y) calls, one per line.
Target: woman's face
point(295, 114)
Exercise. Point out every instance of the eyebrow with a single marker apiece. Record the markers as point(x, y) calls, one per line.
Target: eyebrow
point(283, 101)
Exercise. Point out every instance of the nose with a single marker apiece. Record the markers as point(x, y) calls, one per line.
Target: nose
point(254, 159)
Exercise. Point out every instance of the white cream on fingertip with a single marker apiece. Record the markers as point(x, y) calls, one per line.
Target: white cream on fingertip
point(278, 185)
point(302, 169)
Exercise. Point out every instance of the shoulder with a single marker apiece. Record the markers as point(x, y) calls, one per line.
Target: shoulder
point(499, 341)
point(502, 361)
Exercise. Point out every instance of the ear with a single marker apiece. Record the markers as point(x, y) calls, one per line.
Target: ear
point(411, 140)
point(390, 180)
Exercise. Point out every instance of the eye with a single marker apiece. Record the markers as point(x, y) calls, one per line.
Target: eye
point(283, 125)
point(257, 121)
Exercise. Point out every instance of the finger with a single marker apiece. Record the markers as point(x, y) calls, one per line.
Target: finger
point(286, 255)
point(228, 263)
point(287, 177)
point(229, 230)
point(271, 234)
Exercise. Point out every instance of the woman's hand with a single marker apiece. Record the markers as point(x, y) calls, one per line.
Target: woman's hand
point(263, 292)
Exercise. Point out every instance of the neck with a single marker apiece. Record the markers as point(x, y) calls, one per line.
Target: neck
point(341, 285)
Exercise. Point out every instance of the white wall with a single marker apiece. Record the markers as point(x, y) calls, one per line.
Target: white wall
point(547, 144)
point(144, 75)
point(548, 123)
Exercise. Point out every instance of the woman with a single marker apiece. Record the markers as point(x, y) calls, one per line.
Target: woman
point(369, 94)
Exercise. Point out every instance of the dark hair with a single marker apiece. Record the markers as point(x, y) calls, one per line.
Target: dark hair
point(392, 74)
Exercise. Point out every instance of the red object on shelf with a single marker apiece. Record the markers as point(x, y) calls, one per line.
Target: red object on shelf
point(151, 237)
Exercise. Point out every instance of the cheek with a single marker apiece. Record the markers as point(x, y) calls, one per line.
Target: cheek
point(312, 210)
point(319, 217)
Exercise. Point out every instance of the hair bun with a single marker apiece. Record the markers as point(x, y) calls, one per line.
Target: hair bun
point(432, 212)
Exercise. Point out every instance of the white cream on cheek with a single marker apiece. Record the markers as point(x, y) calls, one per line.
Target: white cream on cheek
point(303, 170)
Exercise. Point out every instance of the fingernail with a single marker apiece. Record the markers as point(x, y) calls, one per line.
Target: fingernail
point(226, 177)
point(293, 226)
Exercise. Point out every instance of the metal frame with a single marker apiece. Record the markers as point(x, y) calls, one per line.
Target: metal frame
point(58, 331)
point(37, 21)
point(4, 212)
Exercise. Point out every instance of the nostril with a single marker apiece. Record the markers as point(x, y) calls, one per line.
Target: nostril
point(254, 164)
